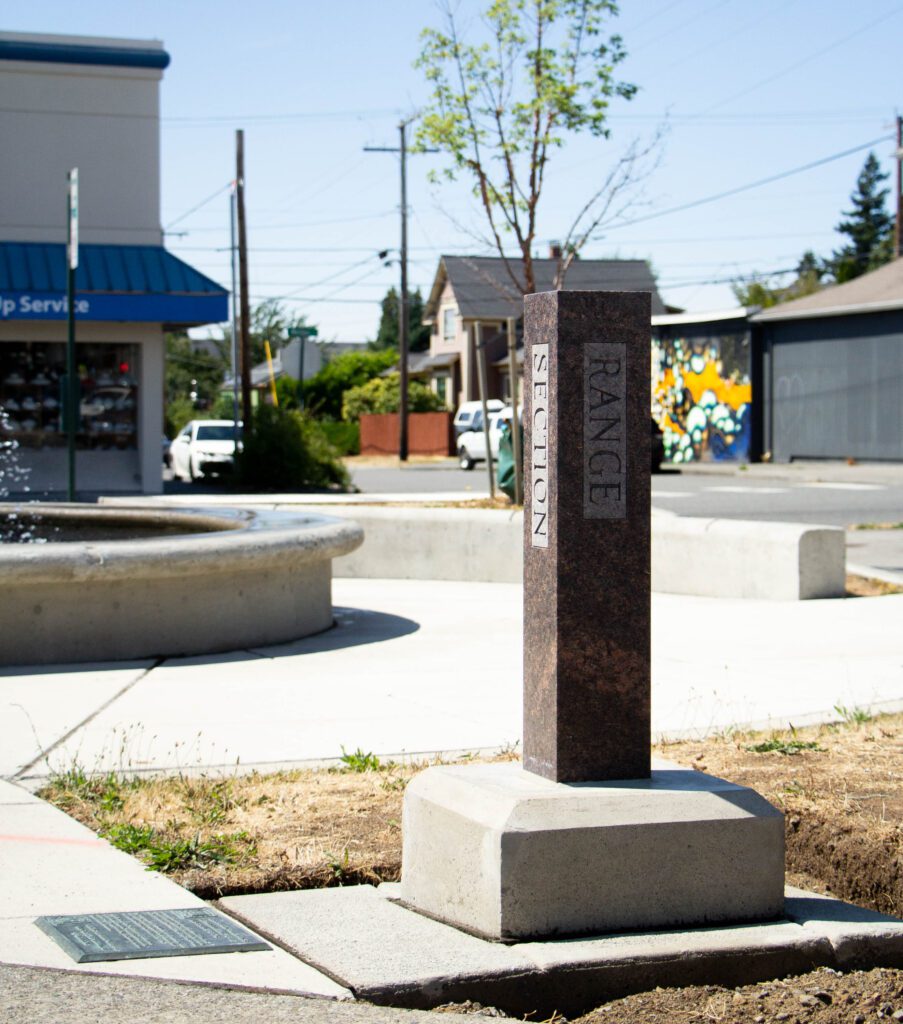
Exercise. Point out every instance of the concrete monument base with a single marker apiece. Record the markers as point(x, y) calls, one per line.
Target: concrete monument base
point(507, 855)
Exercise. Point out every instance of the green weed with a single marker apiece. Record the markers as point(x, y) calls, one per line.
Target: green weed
point(338, 866)
point(853, 716)
point(776, 745)
point(358, 761)
point(209, 804)
point(104, 792)
point(129, 838)
point(162, 853)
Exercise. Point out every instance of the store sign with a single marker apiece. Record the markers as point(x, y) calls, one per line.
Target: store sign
point(29, 307)
point(150, 308)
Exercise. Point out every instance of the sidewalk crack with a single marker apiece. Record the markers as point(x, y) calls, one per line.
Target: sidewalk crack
point(47, 751)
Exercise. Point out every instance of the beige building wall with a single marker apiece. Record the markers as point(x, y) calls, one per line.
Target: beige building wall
point(103, 120)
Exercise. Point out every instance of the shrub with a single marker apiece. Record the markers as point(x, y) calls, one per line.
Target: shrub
point(323, 392)
point(286, 450)
point(344, 437)
point(383, 394)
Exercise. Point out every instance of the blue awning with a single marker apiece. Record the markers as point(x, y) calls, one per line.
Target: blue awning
point(130, 283)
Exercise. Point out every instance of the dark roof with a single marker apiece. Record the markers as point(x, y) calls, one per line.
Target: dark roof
point(47, 52)
point(484, 290)
point(135, 269)
point(875, 292)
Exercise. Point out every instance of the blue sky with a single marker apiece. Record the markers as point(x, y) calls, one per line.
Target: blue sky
point(749, 90)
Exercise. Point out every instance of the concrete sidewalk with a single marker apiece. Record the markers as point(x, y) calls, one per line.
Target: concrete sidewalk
point(416, 667)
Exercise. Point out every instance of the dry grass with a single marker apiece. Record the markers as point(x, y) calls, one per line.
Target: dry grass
point(840, 786)
point(288, 830)
point(865, 586)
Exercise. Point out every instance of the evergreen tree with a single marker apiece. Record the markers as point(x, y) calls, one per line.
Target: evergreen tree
point(868, 226)
point(387, 336)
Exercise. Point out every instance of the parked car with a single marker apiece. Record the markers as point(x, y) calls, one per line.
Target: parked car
point(472, 443)
point(203, 448)
point(469, 411)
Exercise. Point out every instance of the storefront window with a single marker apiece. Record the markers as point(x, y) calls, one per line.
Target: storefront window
point(31, 394)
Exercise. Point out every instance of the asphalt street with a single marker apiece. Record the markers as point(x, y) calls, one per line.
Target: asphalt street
point(829, 502)
point(736, 495)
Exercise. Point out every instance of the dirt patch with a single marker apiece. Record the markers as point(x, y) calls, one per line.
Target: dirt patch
point(826, 996)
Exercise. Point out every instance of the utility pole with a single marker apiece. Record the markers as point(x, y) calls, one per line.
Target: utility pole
point(404, 327)
point(244, 308)
point(236, 361)
point(482, 377)
point(898, 223)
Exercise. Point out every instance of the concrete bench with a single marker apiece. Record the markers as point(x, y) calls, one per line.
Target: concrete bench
point(704, 557)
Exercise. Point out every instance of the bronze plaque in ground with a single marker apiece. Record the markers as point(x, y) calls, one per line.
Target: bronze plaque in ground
point(586, 536)
point(91, 938)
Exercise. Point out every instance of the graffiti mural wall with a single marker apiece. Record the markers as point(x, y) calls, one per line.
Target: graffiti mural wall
point(702, 396)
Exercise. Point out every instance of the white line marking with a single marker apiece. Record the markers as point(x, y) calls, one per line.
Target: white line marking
point(672, 494)
point(748, 490)
point(845, 487)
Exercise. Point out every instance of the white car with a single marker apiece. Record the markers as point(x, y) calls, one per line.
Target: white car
point(471, 412)
point(203, 448)
point(472, 443)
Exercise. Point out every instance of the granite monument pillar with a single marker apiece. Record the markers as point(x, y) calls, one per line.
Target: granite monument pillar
point(588, 836)
point(586, 537)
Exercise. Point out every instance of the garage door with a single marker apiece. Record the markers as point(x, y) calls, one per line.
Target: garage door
point(836, 388)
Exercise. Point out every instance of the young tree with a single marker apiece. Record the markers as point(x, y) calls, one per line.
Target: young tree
point(270, 321)
point(868, 226)
point(387, 336)
point(501, 107)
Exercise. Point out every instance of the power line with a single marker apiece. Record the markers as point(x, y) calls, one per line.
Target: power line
point(303, 224)
point(687, 21)
point(728, 280)
point(753, 184)
point(198, 206)
point(806, 60)
point(308, 115)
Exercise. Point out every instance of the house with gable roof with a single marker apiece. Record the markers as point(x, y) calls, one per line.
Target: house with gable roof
point(472, 290)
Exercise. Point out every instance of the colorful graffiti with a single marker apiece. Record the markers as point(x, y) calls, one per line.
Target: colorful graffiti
point(701, 397)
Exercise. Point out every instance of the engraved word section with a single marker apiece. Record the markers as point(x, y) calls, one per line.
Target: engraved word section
point(539, 449)
point(604, 431)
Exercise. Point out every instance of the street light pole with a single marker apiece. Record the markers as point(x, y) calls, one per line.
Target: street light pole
point(72, 397)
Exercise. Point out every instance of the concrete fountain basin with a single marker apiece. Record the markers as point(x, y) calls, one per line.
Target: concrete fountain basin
point(134, 582)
